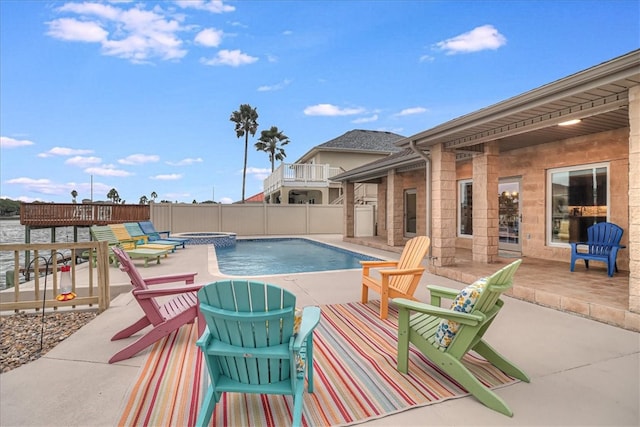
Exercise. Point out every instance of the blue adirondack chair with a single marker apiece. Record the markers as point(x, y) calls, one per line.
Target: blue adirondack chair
point(250, 345)
point(603, 245)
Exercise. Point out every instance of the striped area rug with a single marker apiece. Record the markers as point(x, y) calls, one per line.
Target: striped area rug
point(355, 378)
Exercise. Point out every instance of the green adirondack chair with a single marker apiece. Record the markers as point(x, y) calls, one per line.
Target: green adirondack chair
point(250, 345)
point(431, 330)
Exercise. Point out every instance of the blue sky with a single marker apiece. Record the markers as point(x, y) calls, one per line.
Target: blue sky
point(137, 96)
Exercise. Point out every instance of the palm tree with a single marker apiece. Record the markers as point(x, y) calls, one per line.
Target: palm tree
point(143, 200)
point(246, 120)
point(74, 194)
point(269, 141)
point(113, 195)
point(154, 195)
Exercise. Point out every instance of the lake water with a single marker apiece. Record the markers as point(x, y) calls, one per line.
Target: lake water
point(11, 231)
point(260, 257)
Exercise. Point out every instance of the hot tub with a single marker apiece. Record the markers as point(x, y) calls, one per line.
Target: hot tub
point(217, 239)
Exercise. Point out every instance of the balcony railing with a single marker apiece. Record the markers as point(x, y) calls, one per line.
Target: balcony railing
point(300, 175)
point(69, 214)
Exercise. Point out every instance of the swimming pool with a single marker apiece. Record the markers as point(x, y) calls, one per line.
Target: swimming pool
point(261, 257)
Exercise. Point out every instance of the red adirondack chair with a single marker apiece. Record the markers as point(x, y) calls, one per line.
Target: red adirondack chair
point(164, 318)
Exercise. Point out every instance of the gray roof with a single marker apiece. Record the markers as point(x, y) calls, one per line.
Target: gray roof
point(365, 140)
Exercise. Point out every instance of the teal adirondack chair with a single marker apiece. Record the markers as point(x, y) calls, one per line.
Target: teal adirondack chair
point(250, 345)
point(474, 309)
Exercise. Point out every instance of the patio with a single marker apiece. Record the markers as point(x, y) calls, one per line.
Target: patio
point(589, 293)
point(583, 372)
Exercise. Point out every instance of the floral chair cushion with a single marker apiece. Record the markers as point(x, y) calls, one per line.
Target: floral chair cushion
point(463, 303)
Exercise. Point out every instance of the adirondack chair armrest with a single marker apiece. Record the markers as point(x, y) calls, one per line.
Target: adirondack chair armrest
point(310, 319)
point(188, 278)
point(167, 232)
point(439, 292)
point(367, 265)
point(445, 313)
point(154, 293)
point(401, 271)
point(203, 341)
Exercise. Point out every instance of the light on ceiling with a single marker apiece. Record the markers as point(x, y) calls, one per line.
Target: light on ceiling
point(570, 122)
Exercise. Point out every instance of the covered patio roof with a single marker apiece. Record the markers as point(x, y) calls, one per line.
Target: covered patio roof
point(598, 96)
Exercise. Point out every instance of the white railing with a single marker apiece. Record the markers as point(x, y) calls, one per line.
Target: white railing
point(300, 174)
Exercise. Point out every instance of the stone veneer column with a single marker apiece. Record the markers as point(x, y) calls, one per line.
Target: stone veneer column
point(349, 208)
point(634, 199)
point(443, 196)
point(394, 209)
point(485, 203)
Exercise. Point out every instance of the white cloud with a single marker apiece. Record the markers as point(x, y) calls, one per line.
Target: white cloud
point(277, 86)
point(139, 159)
point(42, 186)
point(82, 161)
point(411, 111)
point(78, 31)
point(64, 151)
point(209, 37)
point(480, 38)
point(213, 6)
point(259, 173)
point(185, 162)
point(6, 142)
point(107, 170)
point(131, 33)
point(167, 177)
point(233, 58)
point(426, 58)
point(331, 110)
point(365, 119)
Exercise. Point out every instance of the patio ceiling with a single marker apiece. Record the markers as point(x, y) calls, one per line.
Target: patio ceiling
point(598, 96)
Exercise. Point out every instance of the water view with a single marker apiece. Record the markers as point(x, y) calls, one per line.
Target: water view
point(11, 231)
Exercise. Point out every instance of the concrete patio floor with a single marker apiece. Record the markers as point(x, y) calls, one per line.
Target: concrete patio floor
point(583, 372)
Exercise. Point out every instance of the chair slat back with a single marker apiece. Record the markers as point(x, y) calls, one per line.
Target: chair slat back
point(102, 233)
point(250, 315)
point(602, 237)
point(148, 229)
point(489, 305)
point(148, 305)
point(412, 255)
point(122, 235)
point(134, 230)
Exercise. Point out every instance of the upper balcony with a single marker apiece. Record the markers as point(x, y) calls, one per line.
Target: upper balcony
point(300, 175)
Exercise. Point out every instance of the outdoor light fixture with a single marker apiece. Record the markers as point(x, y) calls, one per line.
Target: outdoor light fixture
point(570, 122)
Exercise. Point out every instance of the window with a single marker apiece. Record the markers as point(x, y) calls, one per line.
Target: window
point(578, 198)
point(465, 208)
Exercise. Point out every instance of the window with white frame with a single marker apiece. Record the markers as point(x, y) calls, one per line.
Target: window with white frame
point(465, 208)
point(578, 197)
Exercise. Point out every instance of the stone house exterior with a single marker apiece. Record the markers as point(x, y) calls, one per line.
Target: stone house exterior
point(520, 176)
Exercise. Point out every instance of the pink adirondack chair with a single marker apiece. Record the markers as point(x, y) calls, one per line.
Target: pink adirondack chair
point(165, 318)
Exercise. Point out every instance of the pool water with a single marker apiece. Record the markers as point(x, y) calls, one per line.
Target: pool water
point(261, 257)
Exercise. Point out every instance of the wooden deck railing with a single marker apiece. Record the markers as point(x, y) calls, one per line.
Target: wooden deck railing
point(70, 214)
point(90, 283)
